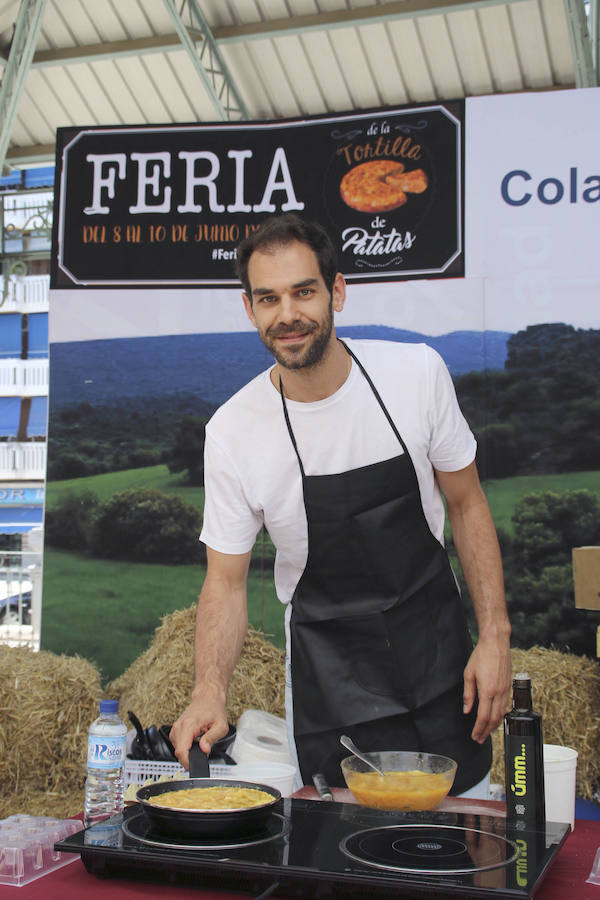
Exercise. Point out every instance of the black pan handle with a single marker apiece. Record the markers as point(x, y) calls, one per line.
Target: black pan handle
point(199, 767)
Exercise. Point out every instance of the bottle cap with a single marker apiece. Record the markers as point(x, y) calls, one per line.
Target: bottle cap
point(109, 706)
point(522, 676)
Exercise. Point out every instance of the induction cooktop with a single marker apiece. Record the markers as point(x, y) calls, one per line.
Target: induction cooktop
point(323, 849)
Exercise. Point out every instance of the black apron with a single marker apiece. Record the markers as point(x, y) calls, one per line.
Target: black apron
point(378, 634)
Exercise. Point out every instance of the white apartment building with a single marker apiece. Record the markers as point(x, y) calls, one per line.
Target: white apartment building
point(25, 217)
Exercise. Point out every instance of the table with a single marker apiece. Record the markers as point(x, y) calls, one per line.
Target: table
point(565, 881)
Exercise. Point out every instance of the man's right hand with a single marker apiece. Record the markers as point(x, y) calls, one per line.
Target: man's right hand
point(200, 718)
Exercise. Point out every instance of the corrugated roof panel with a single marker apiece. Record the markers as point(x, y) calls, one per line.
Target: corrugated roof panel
point(135, 72)
point(8, 14)
point(500, 46)
point(523, 44)
point(156, 12)
point(559, 43)
point(55, 32)
point(383, 64)
point(72, 97)
point(303, 7)
point(108, 73)
point(308, 96)
point(413, 65)
point(530, 41)
point(242, 10)
point(196, 94)
point(83, 24)
point(438, 48)
point(355, 68)
point(50, 105)
point(274, 78)
point(31, 125)
point(240, 61)
point(273, 9)
point(323, 62)
point(134, 18)
point(469, 50)
point(218, 12)
point(168, 82)
point(102, 109)
point(331, 5)
point(21, 135)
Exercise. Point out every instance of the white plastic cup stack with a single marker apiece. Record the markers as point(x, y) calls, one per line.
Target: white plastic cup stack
point(560, 767)
point(260, 737)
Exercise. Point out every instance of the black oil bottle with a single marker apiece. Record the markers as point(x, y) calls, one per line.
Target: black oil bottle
point(524, 759)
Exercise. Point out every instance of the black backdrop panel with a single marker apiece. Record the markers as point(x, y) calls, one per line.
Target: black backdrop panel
point(168, 205)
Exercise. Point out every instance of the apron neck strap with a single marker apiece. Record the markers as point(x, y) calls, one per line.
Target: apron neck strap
point(377, 397)
point(289, 426)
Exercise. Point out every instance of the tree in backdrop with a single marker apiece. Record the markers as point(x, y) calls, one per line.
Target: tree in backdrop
point(69, 524)
point(542, 412)
point(187, 451)
point(86, 439)
point(147, 526)
point(539, 574)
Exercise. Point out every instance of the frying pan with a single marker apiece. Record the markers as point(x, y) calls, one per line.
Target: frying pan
point(205, 823)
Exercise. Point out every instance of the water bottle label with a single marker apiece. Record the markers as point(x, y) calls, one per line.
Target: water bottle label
point(105, 752)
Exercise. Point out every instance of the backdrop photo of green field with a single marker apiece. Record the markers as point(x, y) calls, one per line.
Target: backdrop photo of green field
point(503, 494)
point(107, 610)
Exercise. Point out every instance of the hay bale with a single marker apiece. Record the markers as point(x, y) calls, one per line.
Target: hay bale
point(566, 692)
point(48, 702)
point(61, 804)
point(157, 686)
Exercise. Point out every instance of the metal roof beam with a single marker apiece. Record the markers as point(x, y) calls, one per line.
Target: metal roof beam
point(36, 155)
point(255, 31)
point(27, 28)
point(66, 56)
point(595, 29)
point(347, 18)
point(207, 60)
point(586, 75)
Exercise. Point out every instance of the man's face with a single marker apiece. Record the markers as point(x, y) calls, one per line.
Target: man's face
point(290, 304)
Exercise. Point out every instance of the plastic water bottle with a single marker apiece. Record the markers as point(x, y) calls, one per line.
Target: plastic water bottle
point(107, 738)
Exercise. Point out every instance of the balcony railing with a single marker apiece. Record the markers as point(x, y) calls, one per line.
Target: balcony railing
point(24, 294)
point(22, 461)
point(24, 377)
point(26, 222)
point(20, 598)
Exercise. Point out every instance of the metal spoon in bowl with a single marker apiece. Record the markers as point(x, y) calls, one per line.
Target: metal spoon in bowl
point(349, 744)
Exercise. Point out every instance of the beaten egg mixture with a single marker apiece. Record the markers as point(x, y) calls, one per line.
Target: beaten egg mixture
point(400, 791)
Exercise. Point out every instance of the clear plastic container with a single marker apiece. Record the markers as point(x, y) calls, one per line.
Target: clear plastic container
point(27, 847)
point(104, 788)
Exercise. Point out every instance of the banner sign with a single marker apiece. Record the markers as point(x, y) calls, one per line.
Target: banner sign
point(18, 496)
point(155, 206)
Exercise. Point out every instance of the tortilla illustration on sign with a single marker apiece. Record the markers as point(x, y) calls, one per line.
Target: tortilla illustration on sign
point(381, 185)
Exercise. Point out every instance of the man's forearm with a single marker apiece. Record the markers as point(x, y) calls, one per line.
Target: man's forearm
point(487, 673)
point(221, 624)
point(478, 551)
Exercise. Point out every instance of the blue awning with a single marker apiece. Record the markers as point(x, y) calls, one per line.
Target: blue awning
point(38, 335)
point(38, 416)
point(20, 519)
point(10, 335)
point(10, 411)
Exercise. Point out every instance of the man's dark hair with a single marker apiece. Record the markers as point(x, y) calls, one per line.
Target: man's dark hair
point(282, 230)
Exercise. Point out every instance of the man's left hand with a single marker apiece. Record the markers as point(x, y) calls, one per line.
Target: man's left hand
point(487, 676)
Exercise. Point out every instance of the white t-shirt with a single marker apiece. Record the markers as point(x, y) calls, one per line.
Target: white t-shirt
point(251, 471)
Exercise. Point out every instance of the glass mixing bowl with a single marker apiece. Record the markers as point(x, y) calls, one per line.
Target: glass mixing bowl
point(411, 780)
